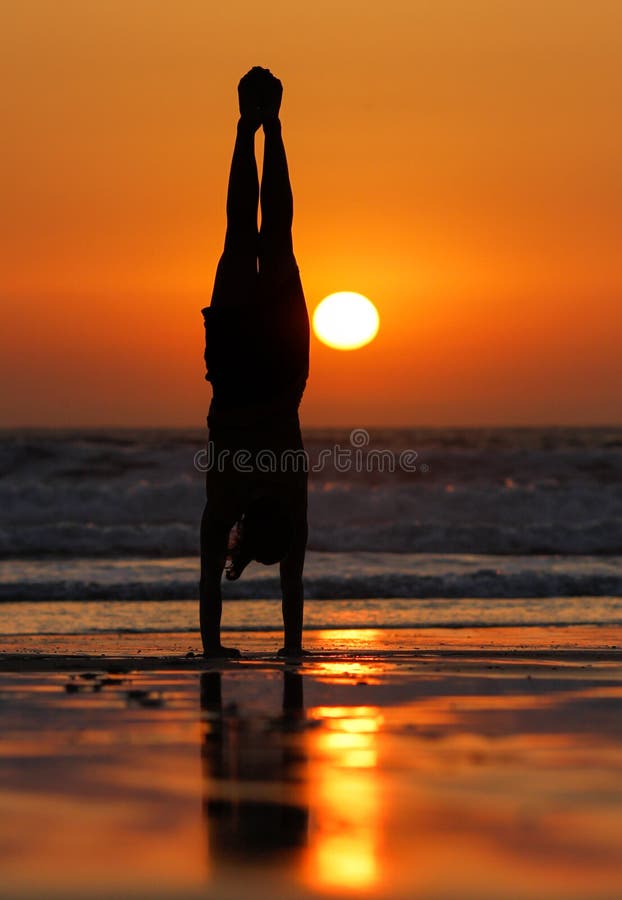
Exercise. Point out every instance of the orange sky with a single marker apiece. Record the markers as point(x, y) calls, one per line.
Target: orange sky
point(457, 161)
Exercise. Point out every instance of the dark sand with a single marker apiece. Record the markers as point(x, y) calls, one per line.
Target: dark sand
point(480, 763)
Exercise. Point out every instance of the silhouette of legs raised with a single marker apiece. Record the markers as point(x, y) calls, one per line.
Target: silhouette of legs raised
point(276, 251)
point(236, 275)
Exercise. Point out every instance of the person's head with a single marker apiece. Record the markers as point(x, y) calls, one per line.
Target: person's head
point(267, 530)
point(264, 534)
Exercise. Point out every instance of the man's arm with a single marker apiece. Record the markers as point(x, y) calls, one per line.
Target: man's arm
point(214, 546)
point(292, 591)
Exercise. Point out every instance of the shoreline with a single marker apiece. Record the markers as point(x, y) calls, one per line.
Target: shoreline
point(551, 644)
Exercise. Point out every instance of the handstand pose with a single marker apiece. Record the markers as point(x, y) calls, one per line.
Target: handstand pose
point(257, 357)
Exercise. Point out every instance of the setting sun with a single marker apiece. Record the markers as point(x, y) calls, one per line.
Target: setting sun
point(346, 321)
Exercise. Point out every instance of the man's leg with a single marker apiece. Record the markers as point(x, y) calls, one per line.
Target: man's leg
point(277, 202)
point(280, 288)
point(236, 275)
point(276, 251)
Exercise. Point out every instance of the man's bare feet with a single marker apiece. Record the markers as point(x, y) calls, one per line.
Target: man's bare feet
point(260, 94)
point(292, 653)
point(220, 652)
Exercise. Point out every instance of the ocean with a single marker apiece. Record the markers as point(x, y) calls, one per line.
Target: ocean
point(408, 528)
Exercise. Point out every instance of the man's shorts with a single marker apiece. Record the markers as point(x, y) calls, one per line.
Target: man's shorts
point(246, 464)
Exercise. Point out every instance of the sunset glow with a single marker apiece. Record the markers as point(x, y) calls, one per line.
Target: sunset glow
point(468, 182)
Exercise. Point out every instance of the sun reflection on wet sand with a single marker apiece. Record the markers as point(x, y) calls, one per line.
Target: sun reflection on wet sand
point(347, 800)
point(351, 670)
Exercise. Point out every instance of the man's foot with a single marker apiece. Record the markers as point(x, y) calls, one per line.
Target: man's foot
point(272, 94)
point(250, 95)
point(292, 653)
point(220, 652)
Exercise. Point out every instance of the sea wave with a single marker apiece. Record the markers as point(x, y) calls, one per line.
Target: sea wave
point(327, 576)
point(138, 493)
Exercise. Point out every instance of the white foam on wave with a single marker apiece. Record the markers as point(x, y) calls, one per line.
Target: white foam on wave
point(162, 519)
point(327, 575)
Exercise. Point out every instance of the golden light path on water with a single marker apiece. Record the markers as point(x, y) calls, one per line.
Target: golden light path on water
point(346, 320)
point(347, 788)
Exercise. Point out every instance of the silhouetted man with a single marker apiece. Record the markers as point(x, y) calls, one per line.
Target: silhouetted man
point(257, 358)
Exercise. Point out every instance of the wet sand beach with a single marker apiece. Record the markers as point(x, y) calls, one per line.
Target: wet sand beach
point(442, 763)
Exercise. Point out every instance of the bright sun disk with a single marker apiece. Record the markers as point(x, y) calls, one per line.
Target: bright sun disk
point(346, 321)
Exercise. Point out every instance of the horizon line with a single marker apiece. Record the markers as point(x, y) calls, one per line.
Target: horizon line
point(345, 427)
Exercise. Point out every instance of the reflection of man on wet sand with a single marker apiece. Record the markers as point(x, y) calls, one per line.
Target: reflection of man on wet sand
point(235, 751)
point(257, 357)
